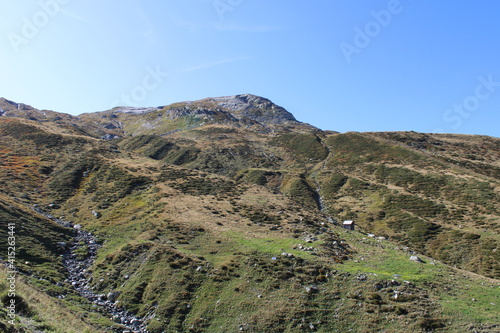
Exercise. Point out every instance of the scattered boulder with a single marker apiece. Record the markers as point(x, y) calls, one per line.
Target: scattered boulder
point(135, 322)
point(112, 296)
point(416, 259)
point(312, 289)
point(62, 245)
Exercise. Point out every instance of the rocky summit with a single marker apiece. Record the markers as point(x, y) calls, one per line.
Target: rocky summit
point(255, 108)
point(227, 214)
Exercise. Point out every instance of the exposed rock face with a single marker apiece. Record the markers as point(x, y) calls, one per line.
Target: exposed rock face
point(198, 111)
point(255, 108)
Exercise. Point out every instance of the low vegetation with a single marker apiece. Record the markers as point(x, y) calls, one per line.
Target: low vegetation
point(207, 223)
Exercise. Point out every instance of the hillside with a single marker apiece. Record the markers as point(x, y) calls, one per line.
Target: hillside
point(224, 215)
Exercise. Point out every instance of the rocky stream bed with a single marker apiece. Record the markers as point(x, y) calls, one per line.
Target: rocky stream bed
point(78, 276)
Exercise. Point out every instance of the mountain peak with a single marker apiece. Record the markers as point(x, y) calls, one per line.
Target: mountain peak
point(252, 107)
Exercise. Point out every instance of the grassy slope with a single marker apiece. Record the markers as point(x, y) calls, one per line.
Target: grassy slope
point(418, 196)
point(160, 237)
point(438, 194)
point(196, 249)
point(38, 283)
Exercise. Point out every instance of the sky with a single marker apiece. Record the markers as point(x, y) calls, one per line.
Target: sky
point(341, 65)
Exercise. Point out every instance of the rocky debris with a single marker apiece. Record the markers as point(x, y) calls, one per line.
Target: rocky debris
point(110, 137)
point(79, 277)
point(310, 239)
point(304, 248)
point(386, 284)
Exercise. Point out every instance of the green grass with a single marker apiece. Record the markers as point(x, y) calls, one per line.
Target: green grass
point(382, 261)
point(459, 303)
point(270, 246)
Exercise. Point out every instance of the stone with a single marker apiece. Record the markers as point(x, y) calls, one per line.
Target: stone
point(112, 296)
point(135, 322)
point(312, 289)
point(416, 259)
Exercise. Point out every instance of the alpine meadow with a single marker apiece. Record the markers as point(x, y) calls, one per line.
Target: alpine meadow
point(227, 214)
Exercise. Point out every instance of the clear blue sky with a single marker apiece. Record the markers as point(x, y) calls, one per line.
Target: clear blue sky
point(343, 65)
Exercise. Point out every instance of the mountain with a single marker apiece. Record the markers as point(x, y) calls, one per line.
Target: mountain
point(225, 214)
